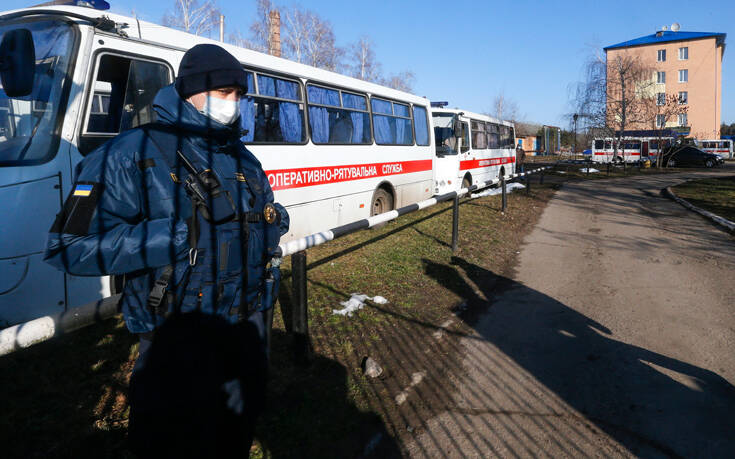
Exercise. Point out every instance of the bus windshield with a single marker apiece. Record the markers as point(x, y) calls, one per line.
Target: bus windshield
point(29, 129)
point(446, 143)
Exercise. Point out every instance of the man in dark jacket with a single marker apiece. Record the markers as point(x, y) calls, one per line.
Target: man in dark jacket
point(186, 213)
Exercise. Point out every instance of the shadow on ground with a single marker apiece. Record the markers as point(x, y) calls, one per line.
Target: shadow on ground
point(560, 359)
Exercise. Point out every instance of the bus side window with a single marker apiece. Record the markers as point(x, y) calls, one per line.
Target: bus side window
point(122, 98)
point(392, 123)
point(493, 136)
point(273, 111)
point(421, 120)
point(479, 137)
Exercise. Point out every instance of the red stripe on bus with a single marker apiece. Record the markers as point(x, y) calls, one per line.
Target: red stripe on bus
point(478, 163)
point(311, 176)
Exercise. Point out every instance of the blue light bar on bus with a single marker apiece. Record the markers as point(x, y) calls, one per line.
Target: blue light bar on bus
point(96, 4)
point(439, 104)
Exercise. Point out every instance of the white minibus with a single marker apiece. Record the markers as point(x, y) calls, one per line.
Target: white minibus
point(722, 147)
point(470, 148)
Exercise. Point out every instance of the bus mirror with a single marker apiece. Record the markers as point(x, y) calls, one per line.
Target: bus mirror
point(17, 62)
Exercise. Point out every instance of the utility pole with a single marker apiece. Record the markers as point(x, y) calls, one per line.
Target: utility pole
point(575, 133)
point(222, 28)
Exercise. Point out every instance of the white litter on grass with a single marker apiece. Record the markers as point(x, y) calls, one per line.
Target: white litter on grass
point(416, 379)
point(495, 191)
point(560, 172)
point(356, 302)
point(591, 170)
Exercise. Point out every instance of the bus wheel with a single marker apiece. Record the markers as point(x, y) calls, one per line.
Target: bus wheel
point(382, 202)
point(466, 182)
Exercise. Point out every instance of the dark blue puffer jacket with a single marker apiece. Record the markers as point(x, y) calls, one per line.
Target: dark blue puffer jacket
point(128, 211)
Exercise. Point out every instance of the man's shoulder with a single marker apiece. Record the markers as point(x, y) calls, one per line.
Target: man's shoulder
point(123, 152)
point(128, 147)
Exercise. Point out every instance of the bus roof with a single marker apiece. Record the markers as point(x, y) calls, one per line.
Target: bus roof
point(470, 114)
point(143, 31)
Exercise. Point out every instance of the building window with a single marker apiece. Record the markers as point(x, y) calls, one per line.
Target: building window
point(661, 55)
point(660, 121)
point(683, 76)
point(661, 98)
point(684, 53)
point(661, 77)
point(683, 97)
point(682, 119)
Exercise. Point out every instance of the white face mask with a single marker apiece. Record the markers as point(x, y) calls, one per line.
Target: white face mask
point(224, 111)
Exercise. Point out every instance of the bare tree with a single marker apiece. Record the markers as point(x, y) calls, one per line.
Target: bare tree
point(361, 62)
point(505, 108)
point(309, 39)
point(401, 81)
point(193, 16)
point(614, 96)
point(659, 110)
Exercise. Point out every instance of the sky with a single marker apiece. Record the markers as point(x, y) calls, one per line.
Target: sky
point(468, 52)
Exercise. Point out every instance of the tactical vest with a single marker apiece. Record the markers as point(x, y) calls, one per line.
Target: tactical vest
point(231, 228)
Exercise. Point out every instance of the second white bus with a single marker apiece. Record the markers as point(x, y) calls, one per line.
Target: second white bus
point(470, 148)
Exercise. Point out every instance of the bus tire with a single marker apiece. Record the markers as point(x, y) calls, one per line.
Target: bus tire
point(466, 181)
point(382, 202)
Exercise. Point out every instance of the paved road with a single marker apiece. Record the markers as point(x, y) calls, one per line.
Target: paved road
point(616, 337)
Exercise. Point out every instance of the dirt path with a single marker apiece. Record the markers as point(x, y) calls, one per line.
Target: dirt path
point(614, 338)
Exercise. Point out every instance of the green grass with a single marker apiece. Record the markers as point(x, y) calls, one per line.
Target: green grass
point(67, 397)
point(716, 195)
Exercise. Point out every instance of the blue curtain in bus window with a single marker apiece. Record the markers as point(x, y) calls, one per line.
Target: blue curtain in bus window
point(289, 115)
point(401, 110)
point(266, 86)
point(251, 84)
point(404, 134)
point(359, 125)
point(319, 116)
point(381, 106)
point(247, 118)
point(420, 125)
point(384, 126)
point(385, 130)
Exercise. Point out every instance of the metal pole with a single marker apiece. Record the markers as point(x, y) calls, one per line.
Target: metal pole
point(222, 28)
point(300, 320)
point(541, 180)
point(505, 194)
point(455, 224)
point(528, 183)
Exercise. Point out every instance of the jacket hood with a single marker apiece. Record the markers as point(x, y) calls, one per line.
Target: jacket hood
point(174, 111)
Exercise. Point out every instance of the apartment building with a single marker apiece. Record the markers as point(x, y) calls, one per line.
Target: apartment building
point(687, 65)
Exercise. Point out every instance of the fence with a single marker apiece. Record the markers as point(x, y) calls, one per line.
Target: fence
point(38, 330)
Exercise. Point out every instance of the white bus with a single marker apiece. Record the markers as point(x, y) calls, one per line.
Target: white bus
point(335, 149)
point(470, 148)
point(722, 147)
point(603, 150)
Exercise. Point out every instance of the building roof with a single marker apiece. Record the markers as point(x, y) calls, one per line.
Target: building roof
point(667, 36)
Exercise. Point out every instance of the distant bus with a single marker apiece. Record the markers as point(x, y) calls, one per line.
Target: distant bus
point(335, 149)
point(470, 148)
point(604, 151)
point(722, 147)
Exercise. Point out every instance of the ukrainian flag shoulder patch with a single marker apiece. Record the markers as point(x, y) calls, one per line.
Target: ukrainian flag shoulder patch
point(83, 190)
